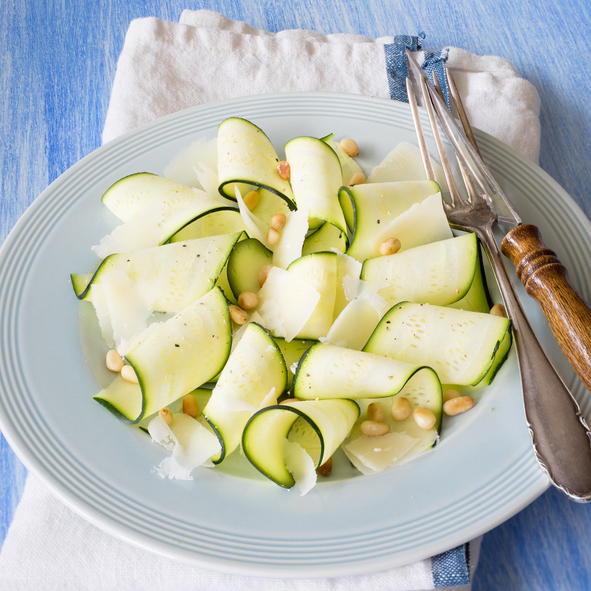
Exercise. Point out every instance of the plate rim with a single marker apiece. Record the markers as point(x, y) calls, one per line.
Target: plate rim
point(87, 512)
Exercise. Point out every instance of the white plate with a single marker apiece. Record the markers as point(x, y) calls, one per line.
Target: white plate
point(483, 471)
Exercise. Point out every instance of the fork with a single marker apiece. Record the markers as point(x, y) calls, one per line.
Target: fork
point(560, 436)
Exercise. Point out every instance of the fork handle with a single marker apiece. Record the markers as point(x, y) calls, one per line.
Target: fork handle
point(546, 280)
point(560, 436)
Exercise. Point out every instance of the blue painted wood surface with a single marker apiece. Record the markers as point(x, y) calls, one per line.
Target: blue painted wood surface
point(57, 63)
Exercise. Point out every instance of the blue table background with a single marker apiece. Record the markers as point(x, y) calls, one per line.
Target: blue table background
point(57, 63)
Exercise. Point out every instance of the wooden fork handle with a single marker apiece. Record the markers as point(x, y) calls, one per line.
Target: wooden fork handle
point(546, 280)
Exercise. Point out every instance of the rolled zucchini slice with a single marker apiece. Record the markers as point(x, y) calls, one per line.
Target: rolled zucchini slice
point(328, 371)
point(439, 273)
point(162, 217)
point(216, 223)
point(247, 158)
point(254, 376)
point(181, 354)
point(244, 266)
point(461, 346)
point(316, 178)
point(129, 195)
point(274, 433)
point(172, 276)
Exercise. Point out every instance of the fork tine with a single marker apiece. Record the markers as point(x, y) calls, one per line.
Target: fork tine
point(459, 105)
point(451, 183)
point(455, 102)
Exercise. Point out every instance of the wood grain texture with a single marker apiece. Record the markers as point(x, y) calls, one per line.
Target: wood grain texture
point(57, 63)
point(546, 280)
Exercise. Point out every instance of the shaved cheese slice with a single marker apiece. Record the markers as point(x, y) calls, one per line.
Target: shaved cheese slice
point(208, 178)
point(300, 465)
point(270, 399)
point(404, 162)
point(125, 303)
point(355, 324)
point(293, 234)
point(354, 287)
point(190, 443)
point(423, 223)
point(374, 454)
point(182, 166)
point(346, 266)
point(286, 302)
point(101, 307)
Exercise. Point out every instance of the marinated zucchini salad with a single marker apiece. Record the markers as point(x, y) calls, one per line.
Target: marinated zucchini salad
point(288, 307)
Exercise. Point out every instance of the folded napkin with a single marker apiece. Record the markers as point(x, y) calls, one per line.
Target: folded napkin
point(165, 67)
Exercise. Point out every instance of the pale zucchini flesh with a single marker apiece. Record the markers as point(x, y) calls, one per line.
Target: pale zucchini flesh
point(328, 371)
point(316, 178)
point(461, 346)
point(247, 157)
point(132, 193)
point(184, 352)
point(439, 273)
point(172, 276)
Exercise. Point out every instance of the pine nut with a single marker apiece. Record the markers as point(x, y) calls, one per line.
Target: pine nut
point(349, 146)
point(166, 415)
point(375, 412)
point(273, 237)
point(114, 361)
point(283, 170)
point(248, 300)
point(390, 246)
point(190, 406)
point(358, 178)
point(424, 418)
point(278, 221)
point(449, 394)
point(374, 429)
point(499, 310)
point(251, 199)
point(400, 409)
point(326, 468)
point(128, 373)
point(264, 273)
point(458, 405)
point(237, 314)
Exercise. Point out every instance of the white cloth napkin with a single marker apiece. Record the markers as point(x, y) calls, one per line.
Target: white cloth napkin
point(165, 67)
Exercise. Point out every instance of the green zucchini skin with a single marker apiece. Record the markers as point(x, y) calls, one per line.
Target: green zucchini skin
point(268, 430)
point(244, 265)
